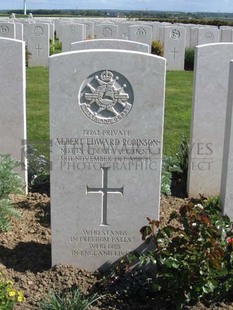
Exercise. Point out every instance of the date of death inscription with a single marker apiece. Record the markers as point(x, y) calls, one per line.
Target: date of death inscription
point(119, 149)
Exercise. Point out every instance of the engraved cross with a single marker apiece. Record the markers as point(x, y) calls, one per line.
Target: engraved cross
point(104, 190)
point(38, 48)
point(174, 52)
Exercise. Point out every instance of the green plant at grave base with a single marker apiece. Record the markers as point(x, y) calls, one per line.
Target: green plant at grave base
point(27, 56)
point(175, 168)
point(193, 254)
point(68, 300)
point(182, 157)
point(170, 165)
point(179, 177)
point(7, 212)
point(55, 47)
point(9, 296)
point(10, 182)
point(189, 59)
point(126, 282)
point(157, 48)
point(38, 171)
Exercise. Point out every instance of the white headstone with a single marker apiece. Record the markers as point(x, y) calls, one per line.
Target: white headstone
point(193, 37)
point(106, 127)
point(123, 30)
point(208, 118)
point(19, 31)
point(38, 44)
point(89, 29)
point(13, 107)
point(174, 47)
point(188, 28)
point(7, 30)
point(226, 35)
point(208, 35)
point(226, 194)
point(141, 33)
point(162, 31)
point(110, 44)
point(71, 33)
point(106, 31)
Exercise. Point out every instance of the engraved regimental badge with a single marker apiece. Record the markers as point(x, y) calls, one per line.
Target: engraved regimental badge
point(175, 34)
point(106, 97)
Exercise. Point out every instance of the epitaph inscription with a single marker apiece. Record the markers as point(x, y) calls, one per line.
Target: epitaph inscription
point(106, 97)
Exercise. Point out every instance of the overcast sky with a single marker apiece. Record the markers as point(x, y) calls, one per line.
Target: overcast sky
point(160, 5)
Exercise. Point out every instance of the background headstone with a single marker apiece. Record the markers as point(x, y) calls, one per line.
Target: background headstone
point(226, 35)
point(69, 33)
point(110, 44)
point(208, 35)
point(226, 195)
point(174, 47)
point(106, 31)
point(12, 103)
point(7, 30)
point(106, 126)
point(38, 44)
point(141, 33)
point(208, 118)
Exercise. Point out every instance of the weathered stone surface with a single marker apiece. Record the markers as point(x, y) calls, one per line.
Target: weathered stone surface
point(106, 129)
point(208, 118)
point(227, 167)
point(110, 44)
point(12, 103)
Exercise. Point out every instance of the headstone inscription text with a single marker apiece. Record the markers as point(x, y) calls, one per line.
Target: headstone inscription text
point(103, 141)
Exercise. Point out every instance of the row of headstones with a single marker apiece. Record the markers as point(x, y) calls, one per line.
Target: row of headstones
point(35, 35)
point(175, 38)
point(106, 125)
point(143, 32)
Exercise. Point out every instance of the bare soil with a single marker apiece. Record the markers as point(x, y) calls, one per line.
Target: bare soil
point(25, 258)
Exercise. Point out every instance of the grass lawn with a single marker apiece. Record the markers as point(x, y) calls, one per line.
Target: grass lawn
point(37, 94)
point(178, 106)
point(177, 109)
